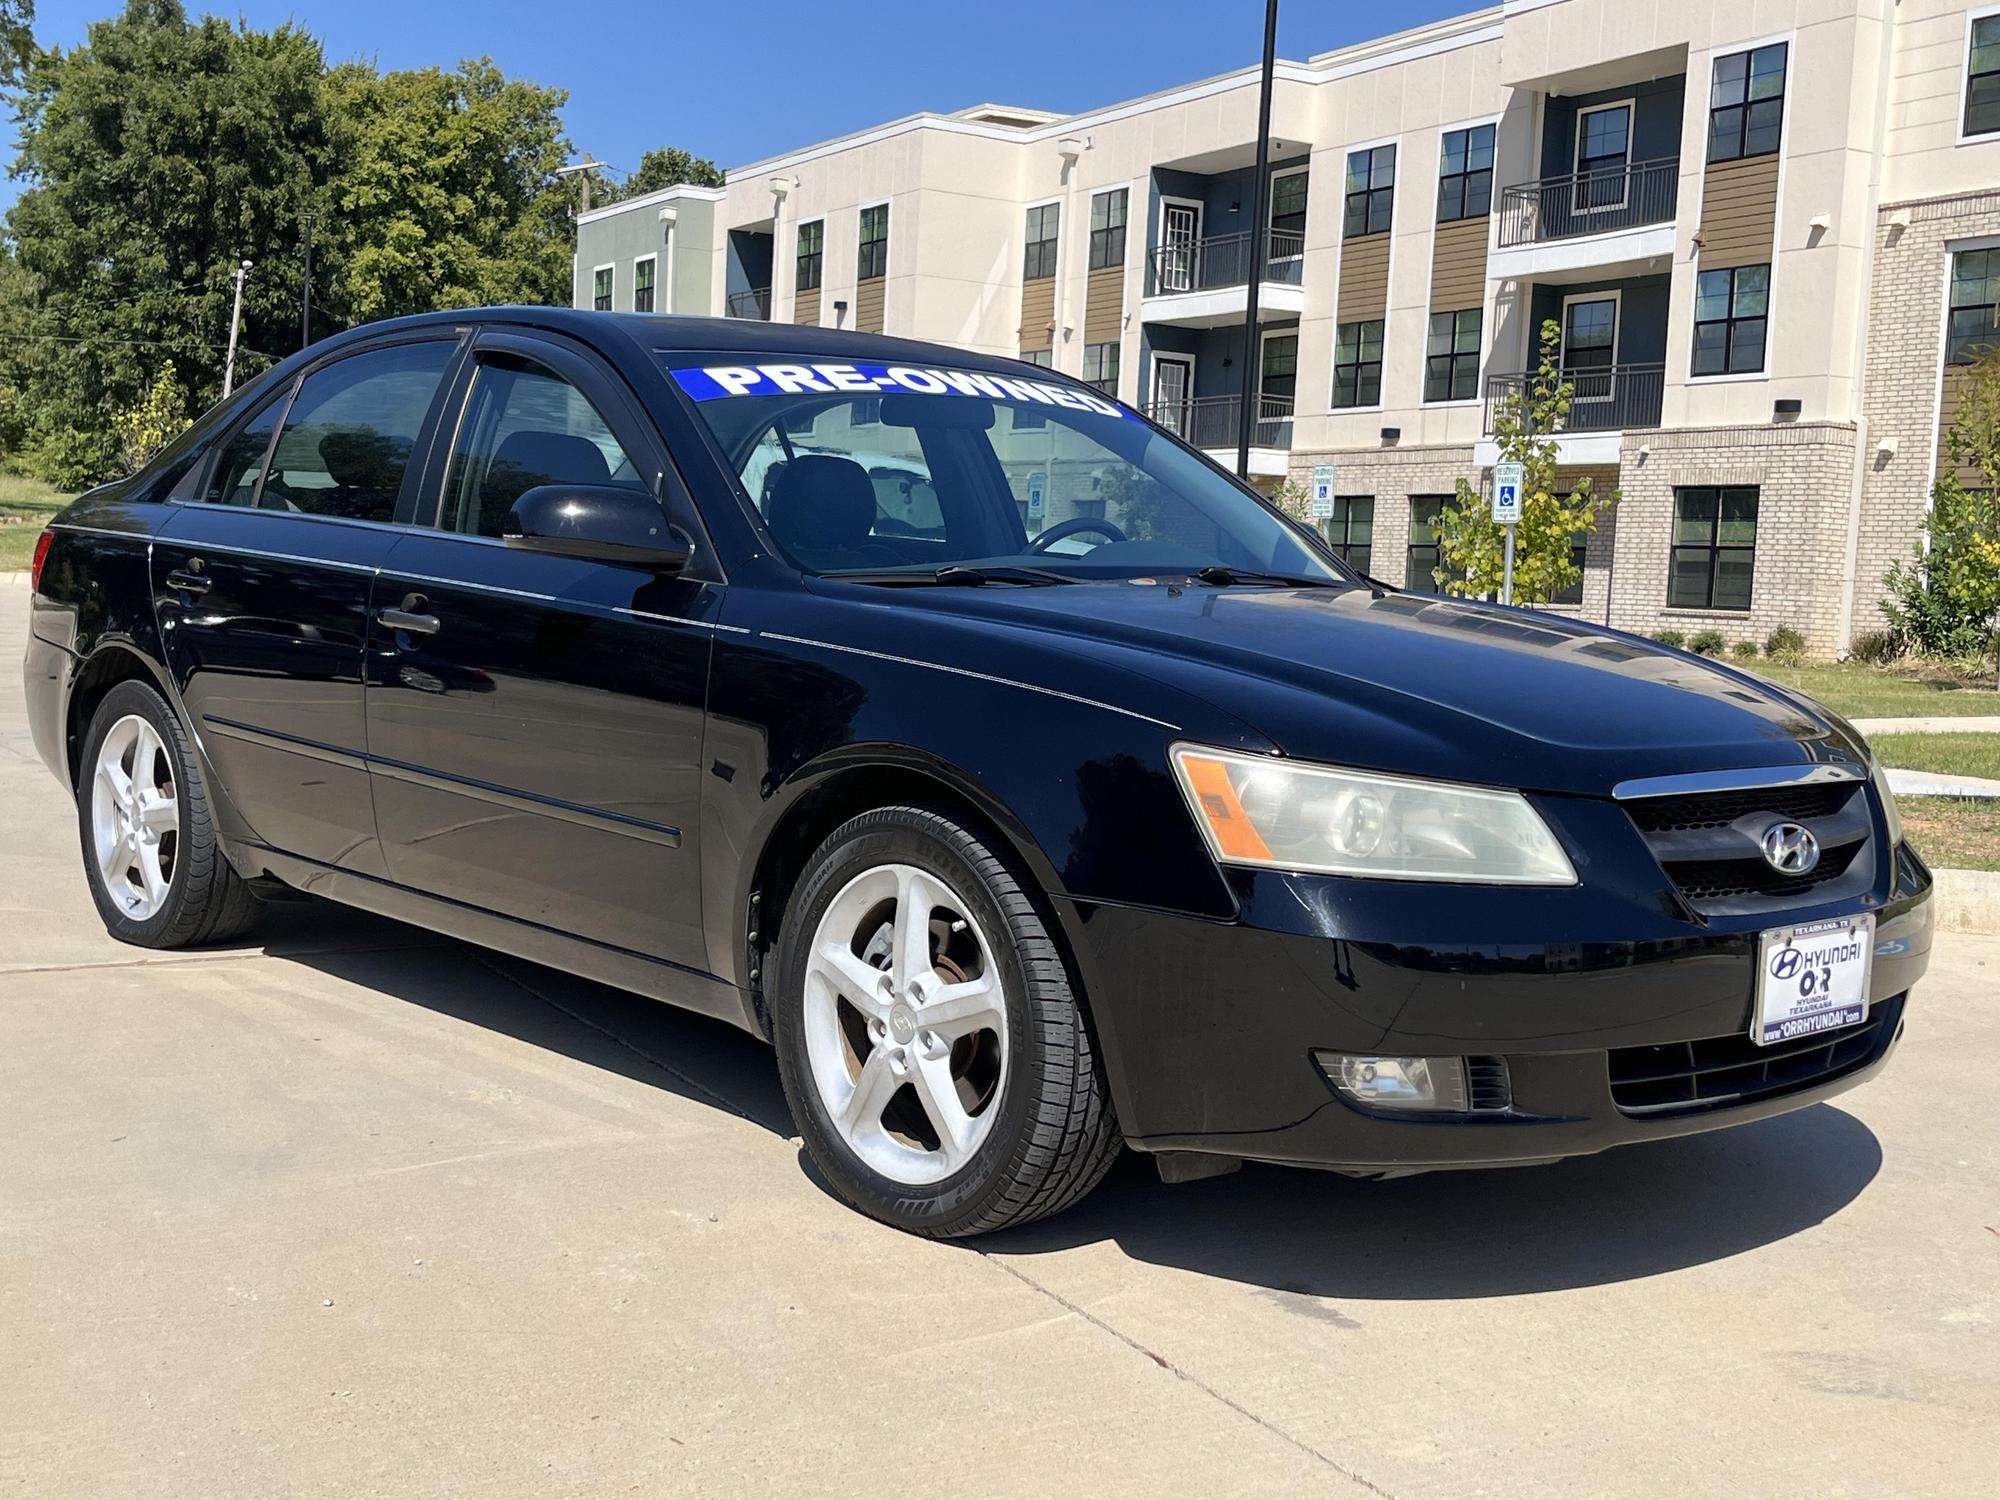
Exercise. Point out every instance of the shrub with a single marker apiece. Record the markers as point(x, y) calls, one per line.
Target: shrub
point(1877, 648)
point(1744, 650)
point(1675, 638)
point(1708, 643)
point(1785, 646)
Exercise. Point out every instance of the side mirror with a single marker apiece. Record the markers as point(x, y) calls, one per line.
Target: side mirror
point(605, 523)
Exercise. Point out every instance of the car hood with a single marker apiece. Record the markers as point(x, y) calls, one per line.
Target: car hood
point(1416, 683)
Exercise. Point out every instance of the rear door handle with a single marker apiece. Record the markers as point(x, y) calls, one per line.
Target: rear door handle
point(410, 618)
point(189, 579)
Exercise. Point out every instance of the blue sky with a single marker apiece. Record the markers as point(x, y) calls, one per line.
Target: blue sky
point(737, 82)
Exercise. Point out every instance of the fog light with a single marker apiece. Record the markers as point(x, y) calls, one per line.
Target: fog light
point(1431, 1084)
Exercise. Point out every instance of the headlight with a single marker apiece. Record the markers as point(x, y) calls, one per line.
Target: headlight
point(1891, 814)
point(1282, 815)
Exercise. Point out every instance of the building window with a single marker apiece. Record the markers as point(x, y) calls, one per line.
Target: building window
point(1579, 553)
point(1465, 174)
point(1975, 307)
point(1715, 547)
point(600, 288)
point(1357, 364)
point(1288, 213)
point(643, 272)
point(1043, 221)
point(1982, 84)
point(1729, 320)
point(1746, 104)
point(1420, 571)
point(1107, 228)
point(1026, 417)
point(1451, 367)
point(1100, 367)
point(812, 254)
point(1371, 190)
point(874, 260)
point(1278, 376)
point(1351, 531)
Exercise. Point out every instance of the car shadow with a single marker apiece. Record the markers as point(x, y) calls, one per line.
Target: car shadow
point(1626, 1214)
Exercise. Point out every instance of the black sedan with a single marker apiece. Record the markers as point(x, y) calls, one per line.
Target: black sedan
point(1029, 783)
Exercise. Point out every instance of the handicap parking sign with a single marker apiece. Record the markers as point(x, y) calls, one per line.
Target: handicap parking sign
point(1508, 479)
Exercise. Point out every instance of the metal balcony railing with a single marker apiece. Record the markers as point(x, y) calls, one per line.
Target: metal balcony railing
point(1215, 421)
point(754, 302)
point(1565, 208)
point(1214, 264)
point(1610, 398)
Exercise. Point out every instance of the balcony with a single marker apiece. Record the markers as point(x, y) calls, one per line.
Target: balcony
point(1618, 217)
point(1205, 283)
point(752, 302)
point(1608, 401)
point(1213, 423)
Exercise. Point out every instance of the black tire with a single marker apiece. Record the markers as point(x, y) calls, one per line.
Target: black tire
point(207, 901)
point(1055, 1135)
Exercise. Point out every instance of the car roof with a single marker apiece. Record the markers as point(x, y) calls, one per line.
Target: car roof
point(669, 332)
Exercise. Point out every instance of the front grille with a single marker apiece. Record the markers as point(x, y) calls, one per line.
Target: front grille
point(1679, 1078)
point(1718, 879)
point(1799, 804)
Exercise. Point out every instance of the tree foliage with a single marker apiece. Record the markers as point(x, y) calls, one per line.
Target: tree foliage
point(662, 167)
point(152, 422)
point(17, 39)
point(1472, 545)
point(1944, 599)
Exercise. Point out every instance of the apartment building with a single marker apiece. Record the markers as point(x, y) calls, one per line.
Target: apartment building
point(1767, 234)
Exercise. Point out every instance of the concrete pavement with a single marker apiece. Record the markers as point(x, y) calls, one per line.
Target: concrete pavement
point(355, 1211)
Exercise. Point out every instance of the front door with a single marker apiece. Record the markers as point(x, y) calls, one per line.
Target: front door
point(1180, 238)
point(262, 578)
point(536, 739)
point(1173, 394)
point(1589, 354)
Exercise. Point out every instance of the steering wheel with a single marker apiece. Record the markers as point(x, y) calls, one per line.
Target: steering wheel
point(1071, 527)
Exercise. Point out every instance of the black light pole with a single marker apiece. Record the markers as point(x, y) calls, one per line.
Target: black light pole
point(1259, 211)
point(306, 297)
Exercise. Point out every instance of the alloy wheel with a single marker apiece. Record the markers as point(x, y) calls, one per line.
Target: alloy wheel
point(135, 817)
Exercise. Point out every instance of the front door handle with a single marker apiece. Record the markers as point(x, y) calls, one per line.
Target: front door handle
point(410, 617)
point(189, 578)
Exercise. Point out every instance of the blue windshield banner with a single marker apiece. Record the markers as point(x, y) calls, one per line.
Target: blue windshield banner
point(719, 382)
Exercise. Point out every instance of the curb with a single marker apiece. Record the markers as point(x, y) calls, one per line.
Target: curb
point(1931, 784)
point(1967, 901)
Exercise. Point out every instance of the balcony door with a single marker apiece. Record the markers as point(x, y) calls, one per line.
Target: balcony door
point(1590, 355)
point(1173, 394)
point(1180, 239)
point(1603, 157)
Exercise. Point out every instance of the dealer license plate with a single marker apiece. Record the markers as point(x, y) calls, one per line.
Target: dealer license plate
point(1812, 978)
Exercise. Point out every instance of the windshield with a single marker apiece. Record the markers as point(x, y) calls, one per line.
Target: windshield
point(896, 471)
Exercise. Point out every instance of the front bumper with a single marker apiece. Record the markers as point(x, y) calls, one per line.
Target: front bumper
point(1209, 1028)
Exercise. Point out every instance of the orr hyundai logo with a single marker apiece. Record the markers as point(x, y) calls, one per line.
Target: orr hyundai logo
point(1790, 848)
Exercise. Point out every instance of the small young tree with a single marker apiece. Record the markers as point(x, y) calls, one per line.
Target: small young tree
point(1944, 599)
point(1472, 545)
point(151, 422)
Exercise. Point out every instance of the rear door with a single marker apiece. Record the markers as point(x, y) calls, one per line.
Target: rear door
point(538, 752)
point(262, 579)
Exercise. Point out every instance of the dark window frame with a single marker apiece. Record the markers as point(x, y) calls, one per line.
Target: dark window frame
point(1974, 76)
point(1459, 190)
point(1338, 529)
point(1737, 115)
point(603, 287)
point(1972, 328)
point(1735, 325)
point(1107, 240)
point(811, 264)
point(1107, 378)
point(1293, 221)
point(1422, 559)
point(871, 261)
point(1374, 169)
point(643, 292)
point(1445, 372)
point(1044, 231)
point(1354, 375)
point(1714, 550)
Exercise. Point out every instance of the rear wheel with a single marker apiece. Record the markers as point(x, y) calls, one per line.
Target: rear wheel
point(149, 849)
point(932, 1048)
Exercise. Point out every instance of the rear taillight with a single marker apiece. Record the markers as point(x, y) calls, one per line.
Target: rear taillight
point(42, 545)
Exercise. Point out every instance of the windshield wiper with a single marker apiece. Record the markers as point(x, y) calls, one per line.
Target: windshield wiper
point(958, 575)
point(1222, 577)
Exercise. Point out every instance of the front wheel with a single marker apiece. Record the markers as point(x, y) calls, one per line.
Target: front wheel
point(931, 1046)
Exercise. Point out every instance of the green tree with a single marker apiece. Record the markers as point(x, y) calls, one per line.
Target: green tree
point(152, 422)
point(662, 167)
point(1472, 545)
point(1944, 599)
point(17, 39)
point(448, 197)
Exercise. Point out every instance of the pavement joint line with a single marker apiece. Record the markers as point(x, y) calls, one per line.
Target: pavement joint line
point(195, 960)
point(1077, 1310)
point(604, 1031)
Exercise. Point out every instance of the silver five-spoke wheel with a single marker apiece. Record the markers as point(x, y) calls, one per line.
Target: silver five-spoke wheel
point(905, 1024)
point(135, 817)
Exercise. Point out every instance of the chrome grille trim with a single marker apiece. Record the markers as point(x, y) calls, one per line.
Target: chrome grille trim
point(1696, 782)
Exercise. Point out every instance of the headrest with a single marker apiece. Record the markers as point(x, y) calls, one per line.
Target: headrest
point(363, 460)
point(528, 458)
point(821, 500)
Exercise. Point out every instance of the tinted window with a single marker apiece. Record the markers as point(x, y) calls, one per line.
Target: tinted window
point(234, 479)
point(524, 425)
point(350, 432)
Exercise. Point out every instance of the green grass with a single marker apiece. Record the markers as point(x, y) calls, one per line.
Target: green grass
point(1945, 754)
point(1856, 691)
point(1953, 835)
point(25, 508)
